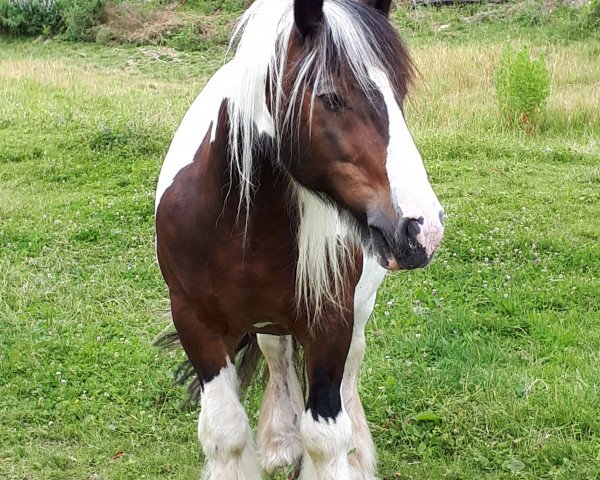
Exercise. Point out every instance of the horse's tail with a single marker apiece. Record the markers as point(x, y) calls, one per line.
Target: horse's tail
point(248, 357)
point(247, 360)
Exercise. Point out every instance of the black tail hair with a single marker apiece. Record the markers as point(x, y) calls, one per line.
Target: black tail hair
point(247, 361)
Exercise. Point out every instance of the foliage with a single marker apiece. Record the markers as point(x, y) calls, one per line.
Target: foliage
point(550, 21)
point(30, 17)
point(73, 18)
point(87, 20)
point(522, 87)
point(80, 16)
point(593, 15)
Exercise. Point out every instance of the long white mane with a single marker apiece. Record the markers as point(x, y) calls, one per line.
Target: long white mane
point(260, 42)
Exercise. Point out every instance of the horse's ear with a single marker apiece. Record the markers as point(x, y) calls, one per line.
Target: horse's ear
point(384, 6)
point(308, 15)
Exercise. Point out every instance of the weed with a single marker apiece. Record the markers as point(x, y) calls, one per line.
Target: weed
point(522, 87)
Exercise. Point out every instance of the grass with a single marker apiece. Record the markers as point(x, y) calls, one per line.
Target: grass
point(484, 365)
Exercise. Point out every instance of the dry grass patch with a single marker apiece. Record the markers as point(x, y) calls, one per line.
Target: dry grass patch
point(456, 87)
point(70, 76)
point(129, 22)
point(136, 23)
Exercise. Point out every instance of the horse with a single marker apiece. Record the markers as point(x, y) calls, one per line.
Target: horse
point(290, 188)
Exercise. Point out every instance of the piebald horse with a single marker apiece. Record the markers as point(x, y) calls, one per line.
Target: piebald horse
point(290, 188)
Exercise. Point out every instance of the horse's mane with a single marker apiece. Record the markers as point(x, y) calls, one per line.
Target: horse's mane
point(353, 35)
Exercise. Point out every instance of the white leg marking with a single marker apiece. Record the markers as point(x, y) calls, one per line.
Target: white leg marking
point(363, 458)
point(224, 431)
point(279, 422)
point(327, 444)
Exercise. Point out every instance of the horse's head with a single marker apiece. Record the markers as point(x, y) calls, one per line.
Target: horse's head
point(350, 142)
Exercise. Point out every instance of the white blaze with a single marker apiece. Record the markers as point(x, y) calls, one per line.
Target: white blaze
point(410, 187)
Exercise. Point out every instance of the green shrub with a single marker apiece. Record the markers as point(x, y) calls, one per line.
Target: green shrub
point(522, 87)
point(531, 13)
point(30, 17)
point(188, 37)
point(592, 15)
point(80, 16)
point(73, 18)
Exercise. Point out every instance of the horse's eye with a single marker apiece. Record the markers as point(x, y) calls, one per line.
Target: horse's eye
point(333, 102)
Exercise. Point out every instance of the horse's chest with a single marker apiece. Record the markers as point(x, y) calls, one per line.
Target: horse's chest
point(202, 250)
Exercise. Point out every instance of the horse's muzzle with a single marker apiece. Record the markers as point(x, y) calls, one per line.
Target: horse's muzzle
point(405, 244)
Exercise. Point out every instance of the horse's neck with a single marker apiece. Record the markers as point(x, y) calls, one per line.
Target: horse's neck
point(270, 208)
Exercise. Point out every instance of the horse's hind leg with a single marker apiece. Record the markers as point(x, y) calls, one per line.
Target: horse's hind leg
point(223, 428)
point(279, 421)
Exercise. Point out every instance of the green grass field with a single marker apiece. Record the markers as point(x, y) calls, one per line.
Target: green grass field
point(484, 365)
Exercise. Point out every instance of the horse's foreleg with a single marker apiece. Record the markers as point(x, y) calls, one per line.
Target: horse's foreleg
point(279, 422)
point(224, 431)
point(363, 458)
point(326, 427)
point(223, 428)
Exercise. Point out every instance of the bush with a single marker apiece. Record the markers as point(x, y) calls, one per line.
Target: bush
point(592, 15)
point(30, 17)
point(522, 87)
point(74, 18)
point(80, 16)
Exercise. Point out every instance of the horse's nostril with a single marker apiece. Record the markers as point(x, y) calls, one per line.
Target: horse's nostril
point(413, 227)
